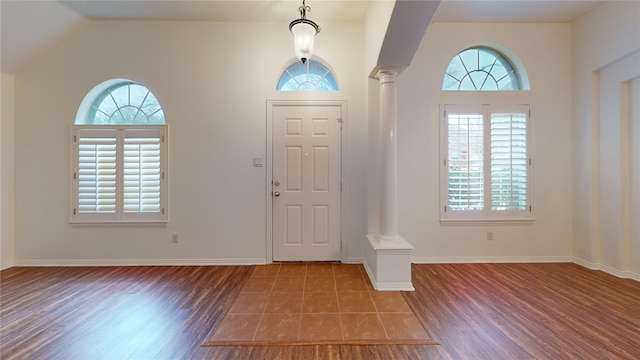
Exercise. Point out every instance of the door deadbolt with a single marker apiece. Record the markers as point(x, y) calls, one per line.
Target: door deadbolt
point(276, 183)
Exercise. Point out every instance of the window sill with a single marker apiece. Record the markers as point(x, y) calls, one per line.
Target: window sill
point(120, 224)
point(496, 222)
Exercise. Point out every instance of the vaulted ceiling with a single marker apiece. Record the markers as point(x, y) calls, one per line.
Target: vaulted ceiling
point(28, 27)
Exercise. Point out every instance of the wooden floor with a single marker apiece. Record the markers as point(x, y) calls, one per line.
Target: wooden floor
point(475, 311)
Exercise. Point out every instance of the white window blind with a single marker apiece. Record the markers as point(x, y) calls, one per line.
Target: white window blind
point(119, 174)
point(487, 167)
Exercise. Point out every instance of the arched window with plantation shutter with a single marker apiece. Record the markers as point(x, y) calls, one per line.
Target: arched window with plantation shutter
point(486, 153)
point(119, 148)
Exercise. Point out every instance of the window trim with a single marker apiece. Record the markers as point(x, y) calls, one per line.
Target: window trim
point(486, 216)
point(119, 218)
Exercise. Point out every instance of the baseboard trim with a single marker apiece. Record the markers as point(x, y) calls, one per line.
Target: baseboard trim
point(608, 269)
point(140, 262)
point(368, 271)
point(587, 264)
point(492, 259)
point(355, 260)
point(351, 260)
point(386, 286)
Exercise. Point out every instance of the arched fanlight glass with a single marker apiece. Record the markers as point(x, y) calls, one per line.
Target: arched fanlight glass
point(125, 103)
point(309, 76)
point(480, 69)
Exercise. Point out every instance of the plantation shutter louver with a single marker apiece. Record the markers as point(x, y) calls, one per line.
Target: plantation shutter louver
point(119, 175)
point(465, 161)
point(96, 174)
point(508, 161)
point(142, 171)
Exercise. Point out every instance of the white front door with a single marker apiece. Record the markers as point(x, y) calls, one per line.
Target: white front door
point(306, 182)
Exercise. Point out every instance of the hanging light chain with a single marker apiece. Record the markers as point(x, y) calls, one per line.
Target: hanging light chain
point(303, 10)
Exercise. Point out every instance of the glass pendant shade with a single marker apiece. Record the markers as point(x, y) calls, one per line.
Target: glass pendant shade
point(304, 31)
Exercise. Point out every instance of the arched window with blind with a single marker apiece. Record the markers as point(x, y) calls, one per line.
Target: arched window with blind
point(119, 150)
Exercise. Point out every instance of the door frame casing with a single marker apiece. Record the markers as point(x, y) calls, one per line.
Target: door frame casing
point(271, 105)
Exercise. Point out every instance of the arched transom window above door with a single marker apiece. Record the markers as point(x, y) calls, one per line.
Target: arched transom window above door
point(314, 75)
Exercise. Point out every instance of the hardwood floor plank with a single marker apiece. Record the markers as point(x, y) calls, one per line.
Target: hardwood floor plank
point(529, 311)
point(476, 311)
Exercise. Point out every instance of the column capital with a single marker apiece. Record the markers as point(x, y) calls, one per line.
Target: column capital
point(386, 74)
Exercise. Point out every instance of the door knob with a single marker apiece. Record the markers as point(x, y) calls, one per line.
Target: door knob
point(277, 193)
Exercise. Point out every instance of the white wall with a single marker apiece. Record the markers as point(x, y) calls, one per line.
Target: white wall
point(545, 51)
point(213, 91)
point(606, 63)
point(213, 81)
point(6, 171)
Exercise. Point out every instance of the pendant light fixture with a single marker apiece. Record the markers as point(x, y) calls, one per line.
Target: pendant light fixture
point(304, 31)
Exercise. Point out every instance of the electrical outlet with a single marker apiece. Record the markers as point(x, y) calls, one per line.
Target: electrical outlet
point(174, 238)
point(489, 235)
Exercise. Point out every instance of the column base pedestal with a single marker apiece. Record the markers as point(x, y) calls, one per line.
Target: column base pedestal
point(388, 263)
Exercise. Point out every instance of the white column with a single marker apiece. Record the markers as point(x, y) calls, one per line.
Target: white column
point(388, 156)
point(388, 259)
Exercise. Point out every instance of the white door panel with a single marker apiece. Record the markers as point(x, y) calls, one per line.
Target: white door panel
point(306, 182)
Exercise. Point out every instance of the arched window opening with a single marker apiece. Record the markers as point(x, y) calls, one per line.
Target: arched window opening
point(481, 69)
point(120, 102)
point(310, 76)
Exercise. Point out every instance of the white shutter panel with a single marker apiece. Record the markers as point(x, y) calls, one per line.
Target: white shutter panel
point(142, 172)
point(119, 174)
point(96, 174)
point(509, 161)
point(465, 161)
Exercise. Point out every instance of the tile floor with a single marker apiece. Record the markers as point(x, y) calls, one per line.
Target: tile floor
point(316, 303)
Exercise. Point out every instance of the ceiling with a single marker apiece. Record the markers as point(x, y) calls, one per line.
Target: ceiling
point(327, 10)
point(219, 10)
point(27, 27)
point(529, 11)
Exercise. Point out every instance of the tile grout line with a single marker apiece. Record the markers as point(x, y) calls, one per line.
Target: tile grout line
point(304, 283)
point(386, 333)
point(264, 310)
point(335, 287)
